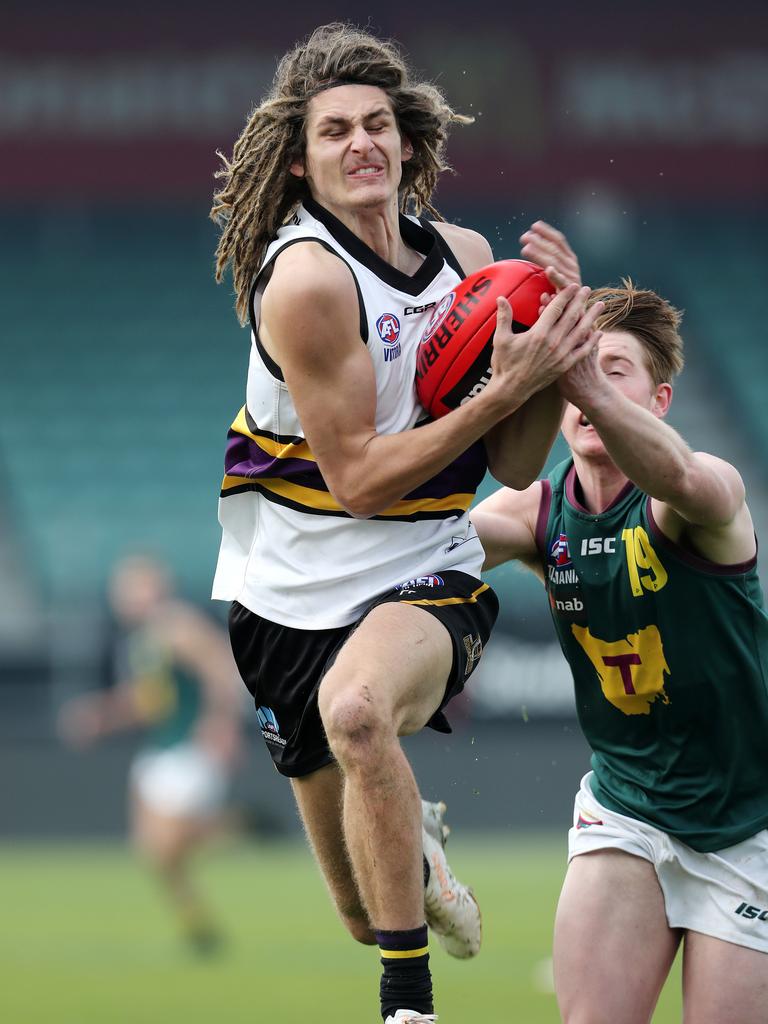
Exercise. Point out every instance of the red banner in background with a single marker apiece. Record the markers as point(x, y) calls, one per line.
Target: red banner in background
point(137, 111)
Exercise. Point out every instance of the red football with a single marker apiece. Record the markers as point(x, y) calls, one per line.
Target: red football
point(453, 362)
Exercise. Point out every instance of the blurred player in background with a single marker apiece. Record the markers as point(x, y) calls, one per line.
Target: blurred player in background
point(648, 555)
point(178, 683)
point(347, 551)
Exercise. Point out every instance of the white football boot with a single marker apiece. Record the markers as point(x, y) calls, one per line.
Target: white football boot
point(411, 1017)
point(451, 908)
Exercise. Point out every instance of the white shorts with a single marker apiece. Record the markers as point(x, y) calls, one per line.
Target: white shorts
point(723, 894)
point(180, 781)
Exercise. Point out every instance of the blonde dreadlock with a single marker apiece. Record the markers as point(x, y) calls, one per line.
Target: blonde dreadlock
point(259, 192)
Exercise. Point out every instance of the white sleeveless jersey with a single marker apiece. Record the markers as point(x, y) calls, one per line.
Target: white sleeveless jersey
point(289, 552)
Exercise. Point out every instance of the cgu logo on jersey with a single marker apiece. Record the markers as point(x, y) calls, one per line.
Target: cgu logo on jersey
point(563, 585)
point(388, 327)
point(270, 730)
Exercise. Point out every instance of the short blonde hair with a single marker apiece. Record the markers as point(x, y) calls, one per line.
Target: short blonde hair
point(649, 318)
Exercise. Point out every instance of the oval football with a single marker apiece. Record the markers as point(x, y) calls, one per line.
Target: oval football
point(454, 355)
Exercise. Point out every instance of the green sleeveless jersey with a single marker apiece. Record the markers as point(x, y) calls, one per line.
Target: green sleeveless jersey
point(669, 655)
point(170, 698)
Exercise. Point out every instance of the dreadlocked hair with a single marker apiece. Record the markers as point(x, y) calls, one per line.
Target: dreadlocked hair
point(649, 318)
point(259, 192)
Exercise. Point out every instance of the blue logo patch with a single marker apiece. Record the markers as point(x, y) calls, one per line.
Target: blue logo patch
point(388, 327)
point(270, 729)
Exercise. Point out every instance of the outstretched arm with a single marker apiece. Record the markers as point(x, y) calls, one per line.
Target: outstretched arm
point(694, 493)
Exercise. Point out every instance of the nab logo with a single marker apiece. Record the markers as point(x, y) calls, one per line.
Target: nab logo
point(388, 327)
point(441, 310)
point(559, 551)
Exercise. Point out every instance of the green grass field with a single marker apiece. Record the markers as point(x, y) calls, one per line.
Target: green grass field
point(86, 938)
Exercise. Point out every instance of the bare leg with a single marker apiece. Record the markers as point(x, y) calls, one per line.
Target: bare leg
point(166, 844)
point(613, 947)
point(387, 681)
point(320, 798)
point(723, 983)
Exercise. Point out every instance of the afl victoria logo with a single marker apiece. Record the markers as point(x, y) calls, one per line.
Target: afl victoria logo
point(441, 310)
point(388, 327)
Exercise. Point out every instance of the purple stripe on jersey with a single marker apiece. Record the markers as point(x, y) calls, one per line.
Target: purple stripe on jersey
point(462, 476)
point(697, 561)
point(245, 458)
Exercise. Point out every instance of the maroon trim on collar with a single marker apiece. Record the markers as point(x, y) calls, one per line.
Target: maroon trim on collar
point(570, 493)
point(697, 561)
point(545, 503)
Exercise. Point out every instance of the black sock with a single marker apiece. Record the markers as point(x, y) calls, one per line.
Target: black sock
point(405, 982)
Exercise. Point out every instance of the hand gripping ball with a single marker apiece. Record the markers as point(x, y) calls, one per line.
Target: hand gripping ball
point(453, 362)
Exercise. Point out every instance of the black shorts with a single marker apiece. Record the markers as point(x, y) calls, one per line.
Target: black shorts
point(283, 667)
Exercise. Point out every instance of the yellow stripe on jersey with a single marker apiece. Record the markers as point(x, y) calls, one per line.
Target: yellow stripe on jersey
point(323, 501)
point(277, 449)
point(453, 600)
point(403, 954)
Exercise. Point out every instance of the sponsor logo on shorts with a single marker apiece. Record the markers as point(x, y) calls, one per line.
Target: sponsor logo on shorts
point(753, 913)
point(422, 581)
point(473, 645)
point(270, 729)
point(587, 822)
point(388, 327)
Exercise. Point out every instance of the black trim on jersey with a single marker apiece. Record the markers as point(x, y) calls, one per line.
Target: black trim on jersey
point(268, 434)
point(413, 234)
point(281, 499)
point(267, 269)
point(442, 243)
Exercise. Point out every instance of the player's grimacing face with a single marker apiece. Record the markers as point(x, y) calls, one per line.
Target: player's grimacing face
point(354, 151)
point(622, 359)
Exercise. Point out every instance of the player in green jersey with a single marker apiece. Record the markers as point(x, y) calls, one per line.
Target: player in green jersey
point(177, 683)
point(648, 555)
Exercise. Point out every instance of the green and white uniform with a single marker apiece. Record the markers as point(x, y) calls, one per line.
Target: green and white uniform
point(669, 655)
point(173, 774)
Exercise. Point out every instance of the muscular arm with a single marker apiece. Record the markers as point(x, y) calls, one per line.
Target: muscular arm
point(309, 318)
point(506, 525)
point(694, 493)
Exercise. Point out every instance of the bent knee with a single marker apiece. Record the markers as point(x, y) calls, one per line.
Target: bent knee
point(355, 721)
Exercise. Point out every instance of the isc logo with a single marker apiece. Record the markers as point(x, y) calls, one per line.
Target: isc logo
point(747, 910)
point(598, 545)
